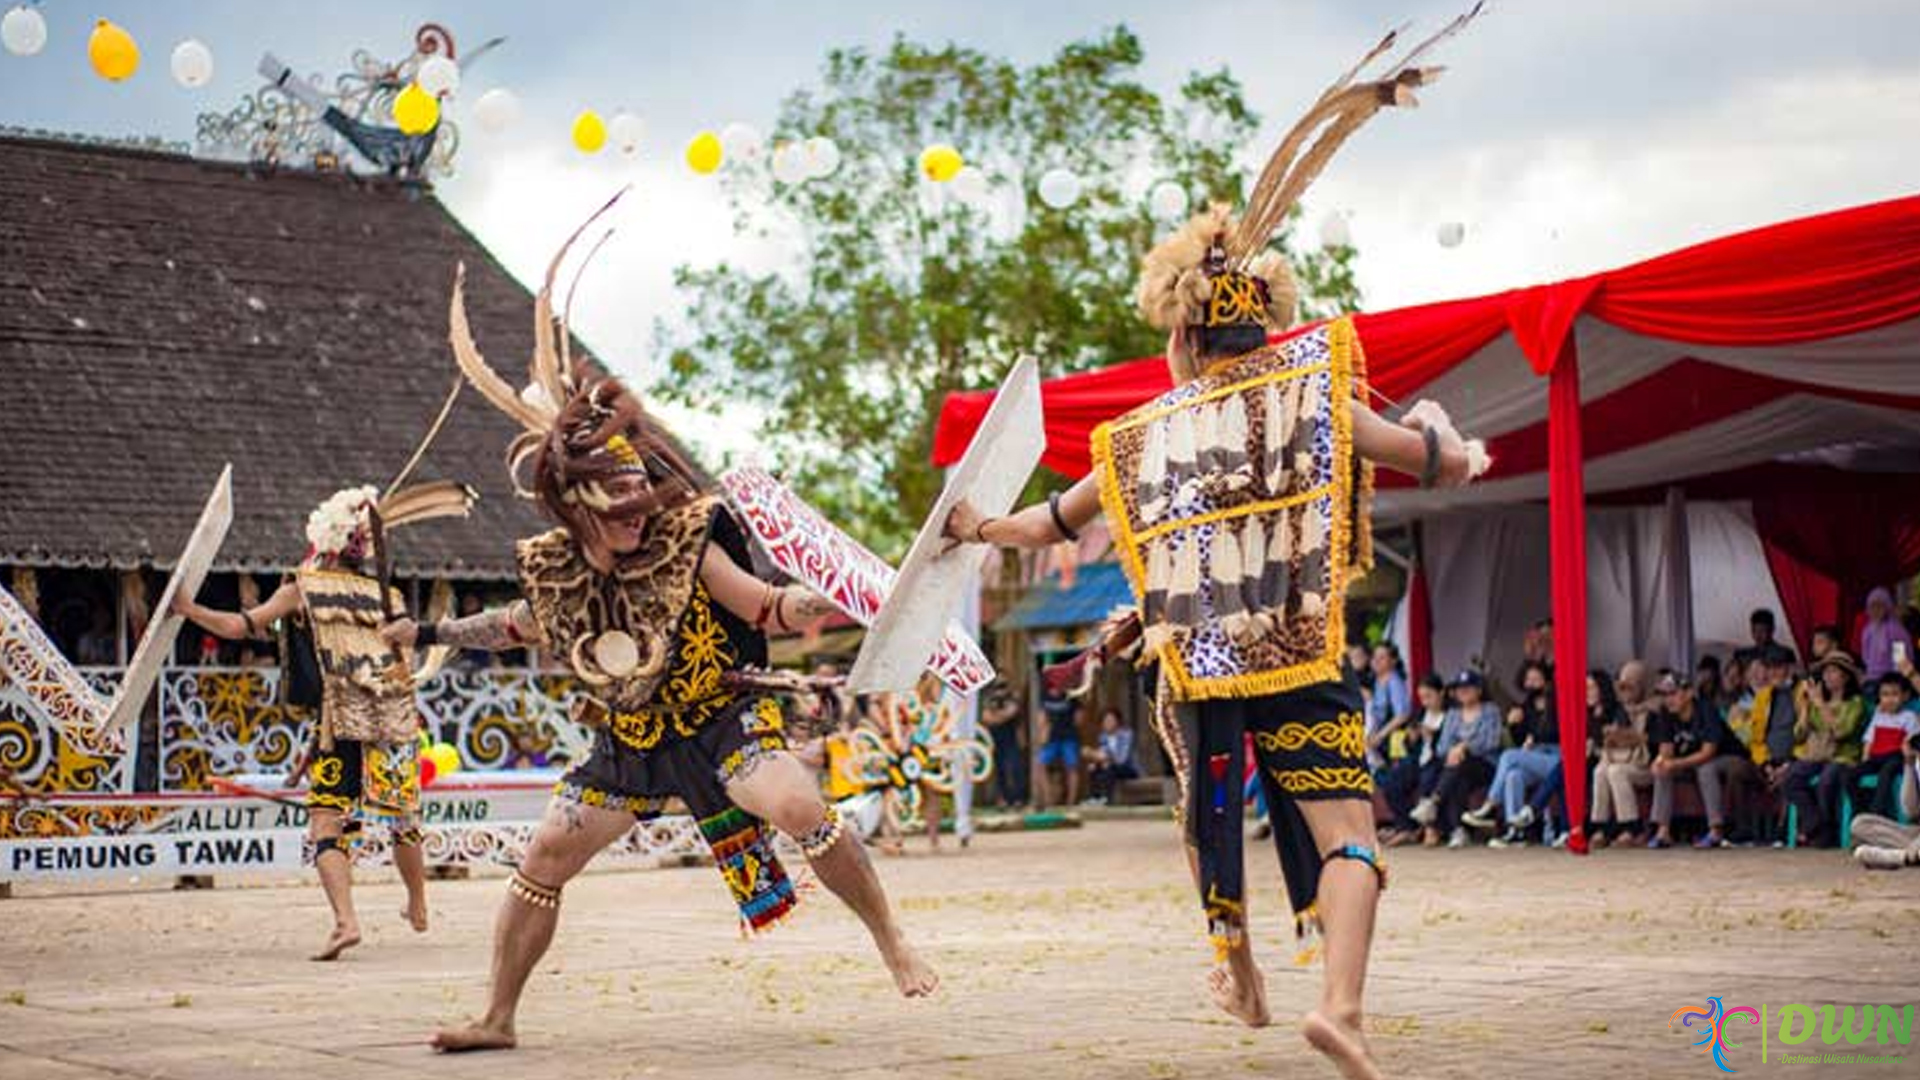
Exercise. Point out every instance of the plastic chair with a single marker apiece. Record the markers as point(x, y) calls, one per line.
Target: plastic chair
point(1846, 806)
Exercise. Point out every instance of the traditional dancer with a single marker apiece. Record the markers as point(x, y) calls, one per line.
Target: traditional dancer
point(645, 591)
point(362, 758)
point(1240, 504)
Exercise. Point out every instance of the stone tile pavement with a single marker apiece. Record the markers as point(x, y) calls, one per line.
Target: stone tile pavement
point(1065, 954)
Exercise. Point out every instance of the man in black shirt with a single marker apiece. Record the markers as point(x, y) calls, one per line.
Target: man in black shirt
point(1690, 739)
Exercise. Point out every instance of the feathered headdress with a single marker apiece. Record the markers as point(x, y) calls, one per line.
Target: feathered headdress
point(578, 428)
point(342, 523)
point(1219, 271)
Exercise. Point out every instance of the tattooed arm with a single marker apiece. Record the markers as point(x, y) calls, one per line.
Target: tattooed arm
point(510, 627)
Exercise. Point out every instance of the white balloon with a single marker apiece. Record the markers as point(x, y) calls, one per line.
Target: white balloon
point(24, 30)
point(1451, 233)
point(438, 75)
point(625, 131)
point(1334, 230)
point(741, 142)
point(970, 185)
point(1167, 200)
point(822, 156)
point(497, 109)
point(790, 165)
point(1059, 188)
point(192, 64)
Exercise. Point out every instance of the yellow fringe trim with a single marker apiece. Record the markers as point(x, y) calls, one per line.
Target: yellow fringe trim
point(1230, 513)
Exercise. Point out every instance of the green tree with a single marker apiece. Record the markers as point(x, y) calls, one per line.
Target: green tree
point(899, 291)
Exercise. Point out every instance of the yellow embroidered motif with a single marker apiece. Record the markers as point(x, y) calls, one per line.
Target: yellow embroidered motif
point(693, 692)
point(1343, 780)
point(1235, 301)
point(326, 772)
point(1346, 736)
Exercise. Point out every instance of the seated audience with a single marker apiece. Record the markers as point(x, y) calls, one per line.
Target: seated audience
point(1690, 740)
point(1113, 760)
point(1468, 744)
point(1412, 769)
point(1829, 714)
point(1882, 748)
point(1535, 732)
point(1885, 844)
point(1622, 765)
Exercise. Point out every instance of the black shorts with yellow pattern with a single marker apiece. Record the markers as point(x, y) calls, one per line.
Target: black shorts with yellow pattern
point(376, 780)
point(694, 768)
point(1311, 742)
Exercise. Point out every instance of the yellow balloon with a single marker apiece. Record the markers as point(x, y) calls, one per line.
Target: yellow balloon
point(589, 132)
point(704, 153)
point(940, 163)
point(112, 52)
point(446, 758)
point(415, 110)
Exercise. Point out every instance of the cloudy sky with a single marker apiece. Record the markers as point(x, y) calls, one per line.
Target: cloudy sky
point(1569, 136)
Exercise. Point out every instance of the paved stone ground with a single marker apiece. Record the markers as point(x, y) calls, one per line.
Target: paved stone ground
point(1066, 954)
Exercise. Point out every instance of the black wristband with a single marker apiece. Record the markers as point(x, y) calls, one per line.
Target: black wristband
point(1053, 507)
point(427, 635)
point(1430, 472)
point(253, 630)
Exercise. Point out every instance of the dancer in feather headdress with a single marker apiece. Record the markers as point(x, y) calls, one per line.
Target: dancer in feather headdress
point(1240, 502)
point(645, 591)
point(362, 758)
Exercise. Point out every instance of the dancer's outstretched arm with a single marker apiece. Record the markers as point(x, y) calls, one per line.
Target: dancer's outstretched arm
point(235, 625)
point(1034, 527)
point(1402, 446)
point(510, 627)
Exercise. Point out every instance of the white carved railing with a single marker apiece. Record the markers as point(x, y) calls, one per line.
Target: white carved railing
point(37, 754)
point(226, 721)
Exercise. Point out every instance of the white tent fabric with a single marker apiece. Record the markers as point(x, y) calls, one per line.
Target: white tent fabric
point(1488, 580)
point(1794, 424)
point(1494, 392)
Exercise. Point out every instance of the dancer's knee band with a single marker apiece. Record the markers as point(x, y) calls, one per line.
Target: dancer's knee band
point(1364, 854)
point(532, 893)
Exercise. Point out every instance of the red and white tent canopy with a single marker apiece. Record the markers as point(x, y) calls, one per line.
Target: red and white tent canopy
point(1797, 338)
point(1788, 339)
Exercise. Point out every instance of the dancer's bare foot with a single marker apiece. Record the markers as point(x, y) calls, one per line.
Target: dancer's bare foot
point(1244, 999)
point(415, 913)
point(342, 939)
point(478, 1036)
point(910, 973)
point(1343, 1044)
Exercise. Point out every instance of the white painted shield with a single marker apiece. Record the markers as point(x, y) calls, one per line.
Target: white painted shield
point(928, 592)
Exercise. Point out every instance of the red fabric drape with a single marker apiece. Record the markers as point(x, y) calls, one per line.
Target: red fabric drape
point(1828, 550)
point(1567, 528)
point(1817, 278)
point(1074, 405)
point(1809, 596)
point(1419, 625)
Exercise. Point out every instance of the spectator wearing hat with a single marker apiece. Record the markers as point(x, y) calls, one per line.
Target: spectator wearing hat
point(1467, 748)
point(1690, 739)
point(1825, 734)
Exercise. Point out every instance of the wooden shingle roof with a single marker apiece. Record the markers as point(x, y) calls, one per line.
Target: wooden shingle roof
point(161, 316)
